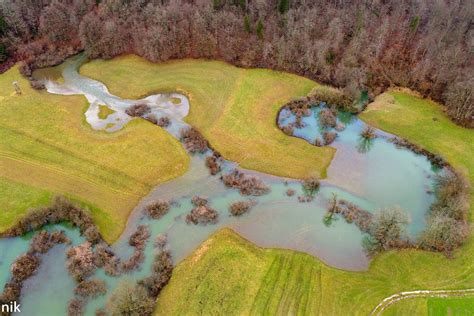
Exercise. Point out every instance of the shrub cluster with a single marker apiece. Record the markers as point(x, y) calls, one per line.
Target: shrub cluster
point(163, 122)
point(43, 241)
point(247, 185)
point(353, 214)
point(447, 226)
point(157, 209)
point(61, 210)
point(75, 307)
point(193, 141)
point(241, 207)
point(202, 213)
point(105, 258)
point(327, 118)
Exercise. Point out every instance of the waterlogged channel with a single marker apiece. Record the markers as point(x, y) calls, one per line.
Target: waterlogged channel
point(372, 176)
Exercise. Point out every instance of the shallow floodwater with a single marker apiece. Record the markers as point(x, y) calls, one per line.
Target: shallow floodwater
point(371, 175)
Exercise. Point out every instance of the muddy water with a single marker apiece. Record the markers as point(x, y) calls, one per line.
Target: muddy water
point(372, 176)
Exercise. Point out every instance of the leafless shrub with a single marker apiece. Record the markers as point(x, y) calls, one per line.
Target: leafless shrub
point(139, 238)
point(193, 141)
point(318, 142)
point(433, 158)
point(241, 207)
point(158, 209)
point(134, 261)
point(310, 185)
point(138, 110)
point(327, 118)
point(160, 241)
point(75, 307)
point(354, 214)
point(290, 192)
point(152, 119)
point(80, 261)
point(105, 258)
point(247, 185)
point(36, 84)
point(288, 129)
point(164, 122)
point(201, 213)
point(91, 288)
point(24, 267)
point(368, 133)
point(129, 299)
point(213, 163)
point(329, 137)
point(161, 274)
point(43, 241)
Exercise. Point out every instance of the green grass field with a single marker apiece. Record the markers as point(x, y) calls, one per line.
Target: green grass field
point(332, 291)
point(47, 148)
point(234, 108)
point(456, 306)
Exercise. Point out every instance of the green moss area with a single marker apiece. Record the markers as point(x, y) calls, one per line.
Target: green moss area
point(105, 111)
point(234, 108)
point(278, 282)
point(47, 148)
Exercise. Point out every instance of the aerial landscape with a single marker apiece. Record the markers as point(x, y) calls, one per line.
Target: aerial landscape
point(236, 157)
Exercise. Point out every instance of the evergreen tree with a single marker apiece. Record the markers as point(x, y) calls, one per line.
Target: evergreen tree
point(259, 29)
point(283, 6)
point(247, 25)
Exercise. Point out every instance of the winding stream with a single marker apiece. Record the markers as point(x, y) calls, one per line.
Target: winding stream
point(379, 176)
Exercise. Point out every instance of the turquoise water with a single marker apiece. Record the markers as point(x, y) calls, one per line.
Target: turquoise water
point(371, 175)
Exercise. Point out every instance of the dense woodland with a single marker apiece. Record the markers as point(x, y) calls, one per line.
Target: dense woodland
point(426, 45)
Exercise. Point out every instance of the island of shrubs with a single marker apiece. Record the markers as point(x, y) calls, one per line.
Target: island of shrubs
point(446, 227)
point(241, 207)
point(247, 185)
point(202, 213)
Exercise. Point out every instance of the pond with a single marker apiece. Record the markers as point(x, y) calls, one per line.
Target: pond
point(373, 175)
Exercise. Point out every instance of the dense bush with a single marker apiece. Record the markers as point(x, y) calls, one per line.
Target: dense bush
point(333, 97)
point(157, 209)
point(241, 207)
point(193, 141)
point(247, 185)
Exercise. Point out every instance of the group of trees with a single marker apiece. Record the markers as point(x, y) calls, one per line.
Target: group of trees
point(427, 45)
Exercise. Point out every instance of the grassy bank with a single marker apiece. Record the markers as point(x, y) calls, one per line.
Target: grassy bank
point(223, 263)
point(47, 148)
point(234, 108)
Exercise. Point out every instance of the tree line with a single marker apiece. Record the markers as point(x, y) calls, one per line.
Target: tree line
point(426, 45)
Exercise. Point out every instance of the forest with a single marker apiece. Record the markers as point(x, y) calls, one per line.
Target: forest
point(357, 45)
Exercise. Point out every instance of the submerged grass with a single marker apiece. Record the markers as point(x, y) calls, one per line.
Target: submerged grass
point(47, 148)
point(259, 271)
point(234, 108)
